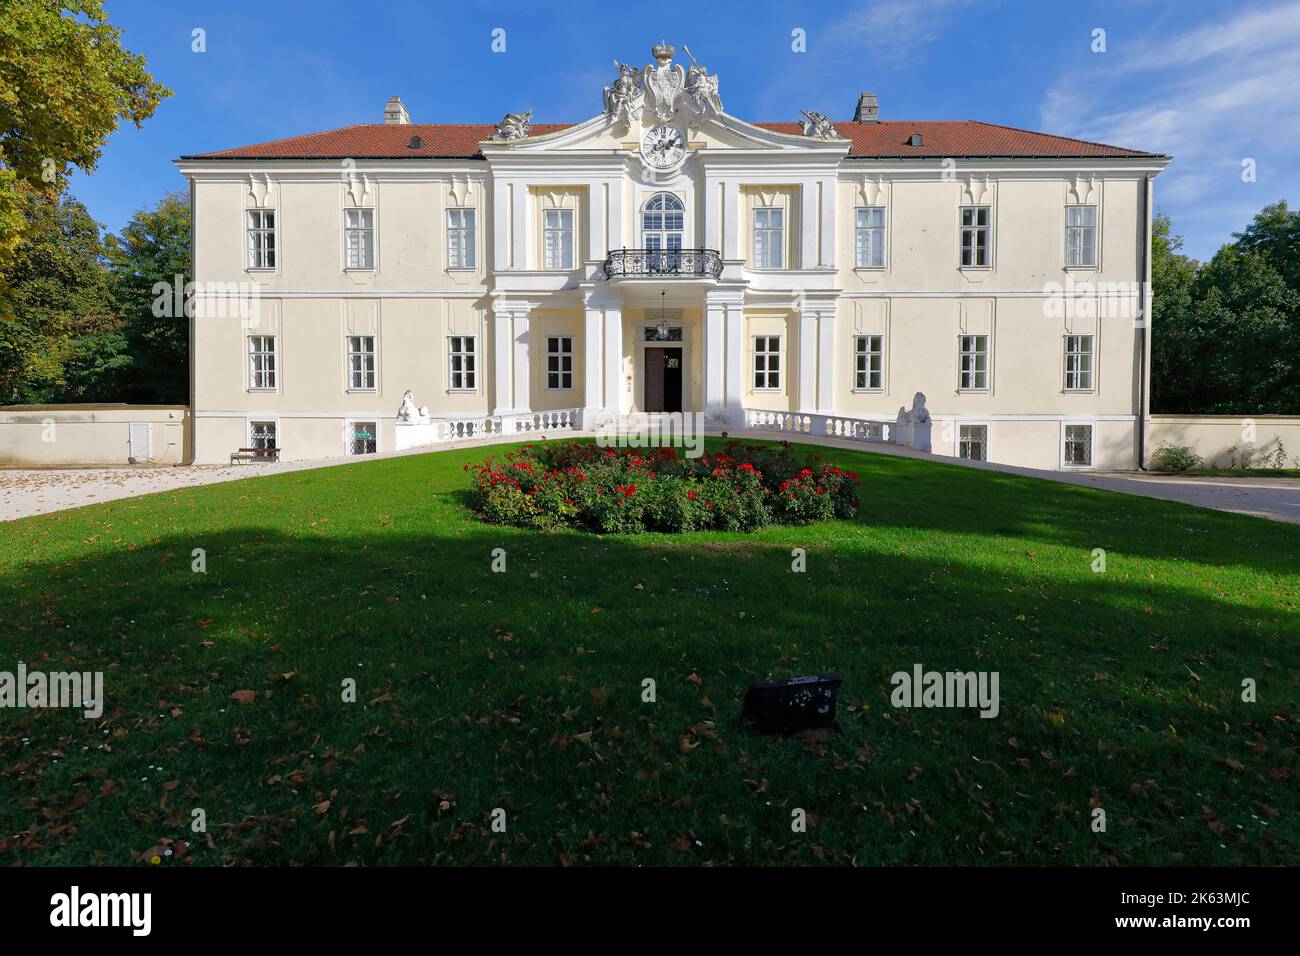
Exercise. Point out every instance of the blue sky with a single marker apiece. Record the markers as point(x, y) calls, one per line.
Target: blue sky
point(1210, 83)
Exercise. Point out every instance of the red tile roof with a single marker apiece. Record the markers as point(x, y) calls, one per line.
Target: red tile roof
point(886, 139)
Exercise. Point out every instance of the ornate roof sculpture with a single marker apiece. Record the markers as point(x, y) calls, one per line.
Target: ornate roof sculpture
point(663, 87)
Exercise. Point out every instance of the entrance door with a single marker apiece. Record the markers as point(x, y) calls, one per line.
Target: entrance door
point(663, 380)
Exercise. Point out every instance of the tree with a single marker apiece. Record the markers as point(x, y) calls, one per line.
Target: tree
point(153, 247)
point(1172, 334)
point(1275, 234)
point(66, 83)
point(61, 339)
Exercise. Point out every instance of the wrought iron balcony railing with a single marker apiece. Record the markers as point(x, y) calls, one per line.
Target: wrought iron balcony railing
point(669, 263)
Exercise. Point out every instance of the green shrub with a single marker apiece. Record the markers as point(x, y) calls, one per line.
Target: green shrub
point(1174, 458)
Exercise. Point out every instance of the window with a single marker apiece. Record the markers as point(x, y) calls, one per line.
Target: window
point(261, 238)
point(869, 238)
point(1078, 363)
point(975, 236)
point(362, 438)
point(261, 435)
point(460, 238)
point(559, 362)
point(557, 239)
point(359, 238)
point(361, 362)
point(767, 362)
point(868, 361)
point(462, 377)
point(261, 361)
point(769, 238)
point(974, 362)
point(1081, 236)
point(973, 442)
point(662, 222)
point(1078, 445)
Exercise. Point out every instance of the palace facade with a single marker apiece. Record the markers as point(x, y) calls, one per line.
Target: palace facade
point(667, 256)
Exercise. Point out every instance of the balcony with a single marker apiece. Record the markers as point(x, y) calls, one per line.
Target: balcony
point(663, 263)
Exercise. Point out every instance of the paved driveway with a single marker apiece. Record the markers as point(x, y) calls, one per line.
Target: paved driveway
point(29, 491)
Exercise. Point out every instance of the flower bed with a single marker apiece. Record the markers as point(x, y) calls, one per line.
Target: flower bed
point(627, 490)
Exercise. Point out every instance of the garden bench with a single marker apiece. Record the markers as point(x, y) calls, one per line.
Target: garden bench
point(254, 454)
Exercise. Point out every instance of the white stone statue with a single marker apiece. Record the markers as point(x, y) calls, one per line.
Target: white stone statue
point(702, 87)
point(917, 415)
point(818, 125)
point(621, 96)
point(513, 126)
point(409, 414)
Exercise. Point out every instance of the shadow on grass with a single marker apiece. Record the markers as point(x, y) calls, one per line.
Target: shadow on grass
point(524, 691)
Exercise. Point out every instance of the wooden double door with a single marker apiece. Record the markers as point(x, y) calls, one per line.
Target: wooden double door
point(663, 380)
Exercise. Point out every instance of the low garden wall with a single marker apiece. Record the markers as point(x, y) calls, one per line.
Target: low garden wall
point(1219, 439)
point(51, 436)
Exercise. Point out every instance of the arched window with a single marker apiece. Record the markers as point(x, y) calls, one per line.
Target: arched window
point(662, 222)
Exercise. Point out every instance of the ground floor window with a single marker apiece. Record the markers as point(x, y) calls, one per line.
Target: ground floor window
point(869, 361)
point(362, 438)
point(262, 435)
point(462, 375)
point(973, 442)
point(767, 362)
point(1078, 445)
point(559, 362)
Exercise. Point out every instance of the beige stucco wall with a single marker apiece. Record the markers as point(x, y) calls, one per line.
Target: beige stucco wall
point(74, 435)
point(1214, 437)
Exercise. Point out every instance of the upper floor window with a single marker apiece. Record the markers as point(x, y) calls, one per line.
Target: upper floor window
point(261, 361)
point(869, 238)
point(769, 238)
point(1078, 363)
point(359, 238)
point(461, 372)
point(361, 362)
point(559, 362)
point(1081, 236)
point(557, 239)
point(662, 222)
point(261, 238)
point(460, 238)
point(975, 235)
point(974, 362)
point(868, 362)
point(767, 362)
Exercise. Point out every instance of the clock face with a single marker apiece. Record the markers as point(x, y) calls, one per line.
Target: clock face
point(664, 146)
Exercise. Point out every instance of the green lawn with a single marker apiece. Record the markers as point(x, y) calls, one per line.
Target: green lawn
point(523, 690)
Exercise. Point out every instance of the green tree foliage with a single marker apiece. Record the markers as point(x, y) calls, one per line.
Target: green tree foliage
point(61, 340)
point(1226, 334)
point(154, 248)
point(66, 83)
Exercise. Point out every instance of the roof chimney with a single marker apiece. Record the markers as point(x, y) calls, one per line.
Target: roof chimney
point(395, 112)
point(868, 109)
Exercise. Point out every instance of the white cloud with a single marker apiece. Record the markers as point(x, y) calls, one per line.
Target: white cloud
point(1219, 93)
point(892, 30)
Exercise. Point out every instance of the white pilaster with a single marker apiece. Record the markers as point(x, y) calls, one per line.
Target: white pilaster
point(807, 379)
point(714, 358)
point(826, 360)
point(595, 224)
point(808, 224)
point(500, 225)
point(523, 400)
point(730, 220)
point(592, 363)
point(519, 225)
point(501, 355)
point(828, 245)
point(614, 391)
point(735, 374)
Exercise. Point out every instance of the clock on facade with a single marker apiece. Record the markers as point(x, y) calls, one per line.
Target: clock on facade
point(664, 146)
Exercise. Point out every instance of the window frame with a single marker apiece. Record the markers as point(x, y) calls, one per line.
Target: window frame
point(570, 231)
point(859, 228)
point(1095, 227)
point(468, 241)
point(271, 252)
point(1066, 425)
point(274, 354)
point(984, 442)
point(859, 353)
point(769, 231)
point(349, 429)
point(986, 230)
point(347, 362)
point(962, 353)
point(767, 352)
point(250, 425)
point(468, 376)
point(560, 354)
point(1091, 371)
